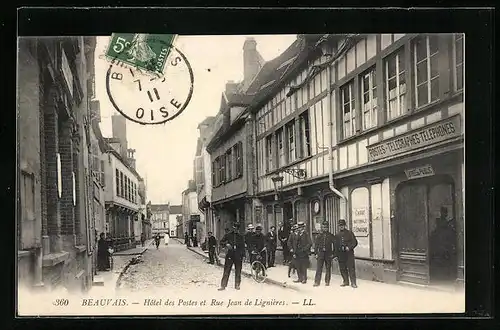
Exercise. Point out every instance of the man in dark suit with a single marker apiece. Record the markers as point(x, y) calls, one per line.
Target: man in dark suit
point(345, 242)
point(323, 250)
point(234, 244)
point(301, 250)
point(212, 245)
point(272, 243)
point(283, 235)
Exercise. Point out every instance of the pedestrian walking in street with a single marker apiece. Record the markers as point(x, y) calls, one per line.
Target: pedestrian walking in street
point(103, 253)
point(212, 245)
point(272, 242)
point(234, 243)
point(323, 250)
point(157, 240)
point(259, 245)
point(345, 242)
point(195, 238)
point(167, 238)
point(292, 264)
point(186, 238)
point(249, 242)
point(143, 239)
point(301, 250)
point(283, 235)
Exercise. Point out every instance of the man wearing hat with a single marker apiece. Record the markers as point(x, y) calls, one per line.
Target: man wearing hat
point(272, 242)
point(283, 236)
point(345, 242)
point(291, 239)
point(301, 250)
point(249, 241)
point(259, 245)
point(323, 250)
point(235, 245)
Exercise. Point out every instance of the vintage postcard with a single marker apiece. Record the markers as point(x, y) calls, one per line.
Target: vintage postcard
point(164, 174)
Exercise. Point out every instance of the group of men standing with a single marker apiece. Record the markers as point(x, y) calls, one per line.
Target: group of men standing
point(296, 244)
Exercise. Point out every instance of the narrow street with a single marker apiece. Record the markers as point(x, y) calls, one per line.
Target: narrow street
point(175, 269)
point(175, 273)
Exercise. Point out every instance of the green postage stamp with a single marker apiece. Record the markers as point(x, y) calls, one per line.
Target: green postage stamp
point(148, 52)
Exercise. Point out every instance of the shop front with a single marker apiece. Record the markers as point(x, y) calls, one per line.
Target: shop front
point(406, 209)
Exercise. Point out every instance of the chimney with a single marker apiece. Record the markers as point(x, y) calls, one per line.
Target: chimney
point(251, 59)
point(131, 158)
point(119, 127)
point(231, 87)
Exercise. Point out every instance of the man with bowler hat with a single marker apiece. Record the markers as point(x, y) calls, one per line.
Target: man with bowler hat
point(234, 243)
point(323, 250)
point(292, 267)
point(272, 242)
point(345, 242)
point(259, 245)
point(249, 241)
point(301, 250)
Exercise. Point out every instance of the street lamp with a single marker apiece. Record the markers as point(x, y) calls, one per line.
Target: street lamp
point(278, 183)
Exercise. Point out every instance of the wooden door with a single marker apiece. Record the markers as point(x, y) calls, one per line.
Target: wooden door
point(412, 233)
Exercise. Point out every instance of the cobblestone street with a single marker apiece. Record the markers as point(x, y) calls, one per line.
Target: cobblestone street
point(175, 269)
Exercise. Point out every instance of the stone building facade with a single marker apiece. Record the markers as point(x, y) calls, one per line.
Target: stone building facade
point(54, 239)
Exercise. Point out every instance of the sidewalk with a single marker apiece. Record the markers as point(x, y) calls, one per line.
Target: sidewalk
point(106, 282)
point(278, 275)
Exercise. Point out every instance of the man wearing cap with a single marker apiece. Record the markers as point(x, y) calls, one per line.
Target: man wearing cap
point(345, 242)
point(301, 250)
point(249, 241)
point(323, 250)
point(272, 242)
point(283, 236)
point(235, 245)
point(259, 245)
point(291, 239)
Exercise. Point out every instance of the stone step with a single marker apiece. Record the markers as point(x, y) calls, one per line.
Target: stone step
point(98, 281)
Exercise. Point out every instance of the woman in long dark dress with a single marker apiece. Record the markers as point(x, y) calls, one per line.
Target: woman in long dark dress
point(102, 254)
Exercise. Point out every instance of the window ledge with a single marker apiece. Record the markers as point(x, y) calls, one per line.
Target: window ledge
point(385, 261)
point(81, 248)
point(295, 162)
point(53, 259)
point(23, 254)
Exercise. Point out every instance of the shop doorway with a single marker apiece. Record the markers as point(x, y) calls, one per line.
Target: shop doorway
point(426, 230)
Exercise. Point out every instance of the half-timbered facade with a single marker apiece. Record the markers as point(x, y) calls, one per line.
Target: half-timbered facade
point(390, 109)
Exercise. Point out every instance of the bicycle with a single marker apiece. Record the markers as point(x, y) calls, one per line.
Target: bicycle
point(259, 273)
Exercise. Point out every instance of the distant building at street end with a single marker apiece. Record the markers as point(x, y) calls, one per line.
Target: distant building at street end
point(160, 219)
point(174, 212)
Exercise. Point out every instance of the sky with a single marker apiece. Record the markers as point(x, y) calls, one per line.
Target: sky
point(165, 153)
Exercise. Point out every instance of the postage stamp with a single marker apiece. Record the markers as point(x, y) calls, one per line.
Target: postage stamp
point(144, 51)
point(149, 81)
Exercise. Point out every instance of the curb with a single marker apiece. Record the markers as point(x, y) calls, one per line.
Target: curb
point(249, 275)
point(124, 270)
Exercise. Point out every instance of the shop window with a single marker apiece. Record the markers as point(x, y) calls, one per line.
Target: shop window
point(369, 98)
point(360, 220)
point(395, 85)
point(458, 61)
point(317, 219)
point(290, 134)
point(426, 71)
point(347, 95)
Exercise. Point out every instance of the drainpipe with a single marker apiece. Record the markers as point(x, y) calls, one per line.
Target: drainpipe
point(330, 144)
